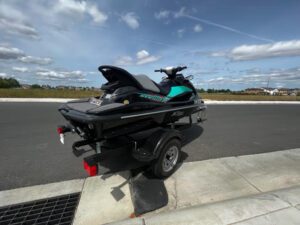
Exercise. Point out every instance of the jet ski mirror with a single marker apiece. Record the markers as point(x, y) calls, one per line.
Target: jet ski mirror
point(190, 77)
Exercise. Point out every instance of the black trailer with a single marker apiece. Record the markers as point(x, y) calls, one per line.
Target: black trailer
point(155, 148)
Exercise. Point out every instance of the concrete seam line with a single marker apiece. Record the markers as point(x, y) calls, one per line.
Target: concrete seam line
point(143, 221)
point(176, 195)
point(276, 196)
point(237, 172)
point(79, 200)
point(264, 214)
point(282, 199)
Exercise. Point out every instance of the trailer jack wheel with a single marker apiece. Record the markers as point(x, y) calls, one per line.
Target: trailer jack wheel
point(166, 163)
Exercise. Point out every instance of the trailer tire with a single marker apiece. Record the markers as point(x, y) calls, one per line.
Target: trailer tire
point(169, 156)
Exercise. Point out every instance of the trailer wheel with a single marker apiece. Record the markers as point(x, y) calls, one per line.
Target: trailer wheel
point(165, 165)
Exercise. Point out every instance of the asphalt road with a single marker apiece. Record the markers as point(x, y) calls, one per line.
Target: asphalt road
point(30, 151)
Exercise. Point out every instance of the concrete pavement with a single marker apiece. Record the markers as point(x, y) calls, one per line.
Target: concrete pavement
point(252, 189)
point(233, 177)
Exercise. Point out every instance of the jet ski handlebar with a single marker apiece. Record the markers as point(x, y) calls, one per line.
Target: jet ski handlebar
point(171, 70)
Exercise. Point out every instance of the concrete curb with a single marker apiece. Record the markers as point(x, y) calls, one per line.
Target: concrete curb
point(207, 101)
point(214, 102)
point(98, 203)
point(217, 191)
point(35, 99)
point(265, 208)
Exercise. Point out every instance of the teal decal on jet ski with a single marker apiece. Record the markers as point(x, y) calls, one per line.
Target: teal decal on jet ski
point(156, 98)
point(177, 90)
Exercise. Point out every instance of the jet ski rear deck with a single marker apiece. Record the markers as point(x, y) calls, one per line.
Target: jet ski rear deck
point(97, 126)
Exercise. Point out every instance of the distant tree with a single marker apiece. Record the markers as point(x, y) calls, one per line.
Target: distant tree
point(201, 90)
point(9, 83)
point(218, 90)
point(36, 86)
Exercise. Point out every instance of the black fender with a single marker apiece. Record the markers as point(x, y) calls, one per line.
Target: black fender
point(151, 148)
point(165, 136)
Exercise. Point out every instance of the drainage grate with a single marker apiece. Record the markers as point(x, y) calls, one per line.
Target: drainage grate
point(57, 210)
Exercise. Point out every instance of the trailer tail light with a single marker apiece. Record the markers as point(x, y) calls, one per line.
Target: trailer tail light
point(90, 169)
point(60, 130)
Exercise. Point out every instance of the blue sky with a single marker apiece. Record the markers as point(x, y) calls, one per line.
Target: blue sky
point(225, 44)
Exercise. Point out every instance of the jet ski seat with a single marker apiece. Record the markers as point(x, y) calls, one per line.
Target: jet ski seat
point(120, 76)
point(150, 85)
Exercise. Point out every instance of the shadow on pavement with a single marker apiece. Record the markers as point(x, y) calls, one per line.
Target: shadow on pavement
point(147, 192)
point(121, 160)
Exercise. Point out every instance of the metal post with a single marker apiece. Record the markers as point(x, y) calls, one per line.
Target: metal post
point(190, 119)
point(98, 147)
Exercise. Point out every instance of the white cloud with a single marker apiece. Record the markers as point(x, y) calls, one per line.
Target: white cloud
point(124, 61)
point(198, 28)
point(142, 54)
point(72, 76)
point(98, 16)
point(3, 75)
point(36, 60)
point(19, 28)
point(80, 8)
point(148, 59)
point(180, 13)
point(20, 69)
point(164, 14)
point(142, 57)
point(10, 53)
point(180, 32)
point(291, 74)
point(259, 78)
point(277, 49)
point(9, 11)
point(71, 7)
point(13, 21)
point(131, 20)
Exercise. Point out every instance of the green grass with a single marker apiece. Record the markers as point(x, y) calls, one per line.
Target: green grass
point(228, 97)
point(43, 93)
point(53, 93)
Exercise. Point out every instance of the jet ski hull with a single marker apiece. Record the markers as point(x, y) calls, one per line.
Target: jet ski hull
point(92, 126)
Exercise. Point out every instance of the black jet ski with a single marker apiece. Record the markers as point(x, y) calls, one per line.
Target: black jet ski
point(131, 103)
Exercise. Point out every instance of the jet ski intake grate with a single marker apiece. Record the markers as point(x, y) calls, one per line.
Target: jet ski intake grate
point(57, 210)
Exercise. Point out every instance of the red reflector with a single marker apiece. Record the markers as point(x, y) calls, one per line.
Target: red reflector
point(91, 170)
point(60, 130)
